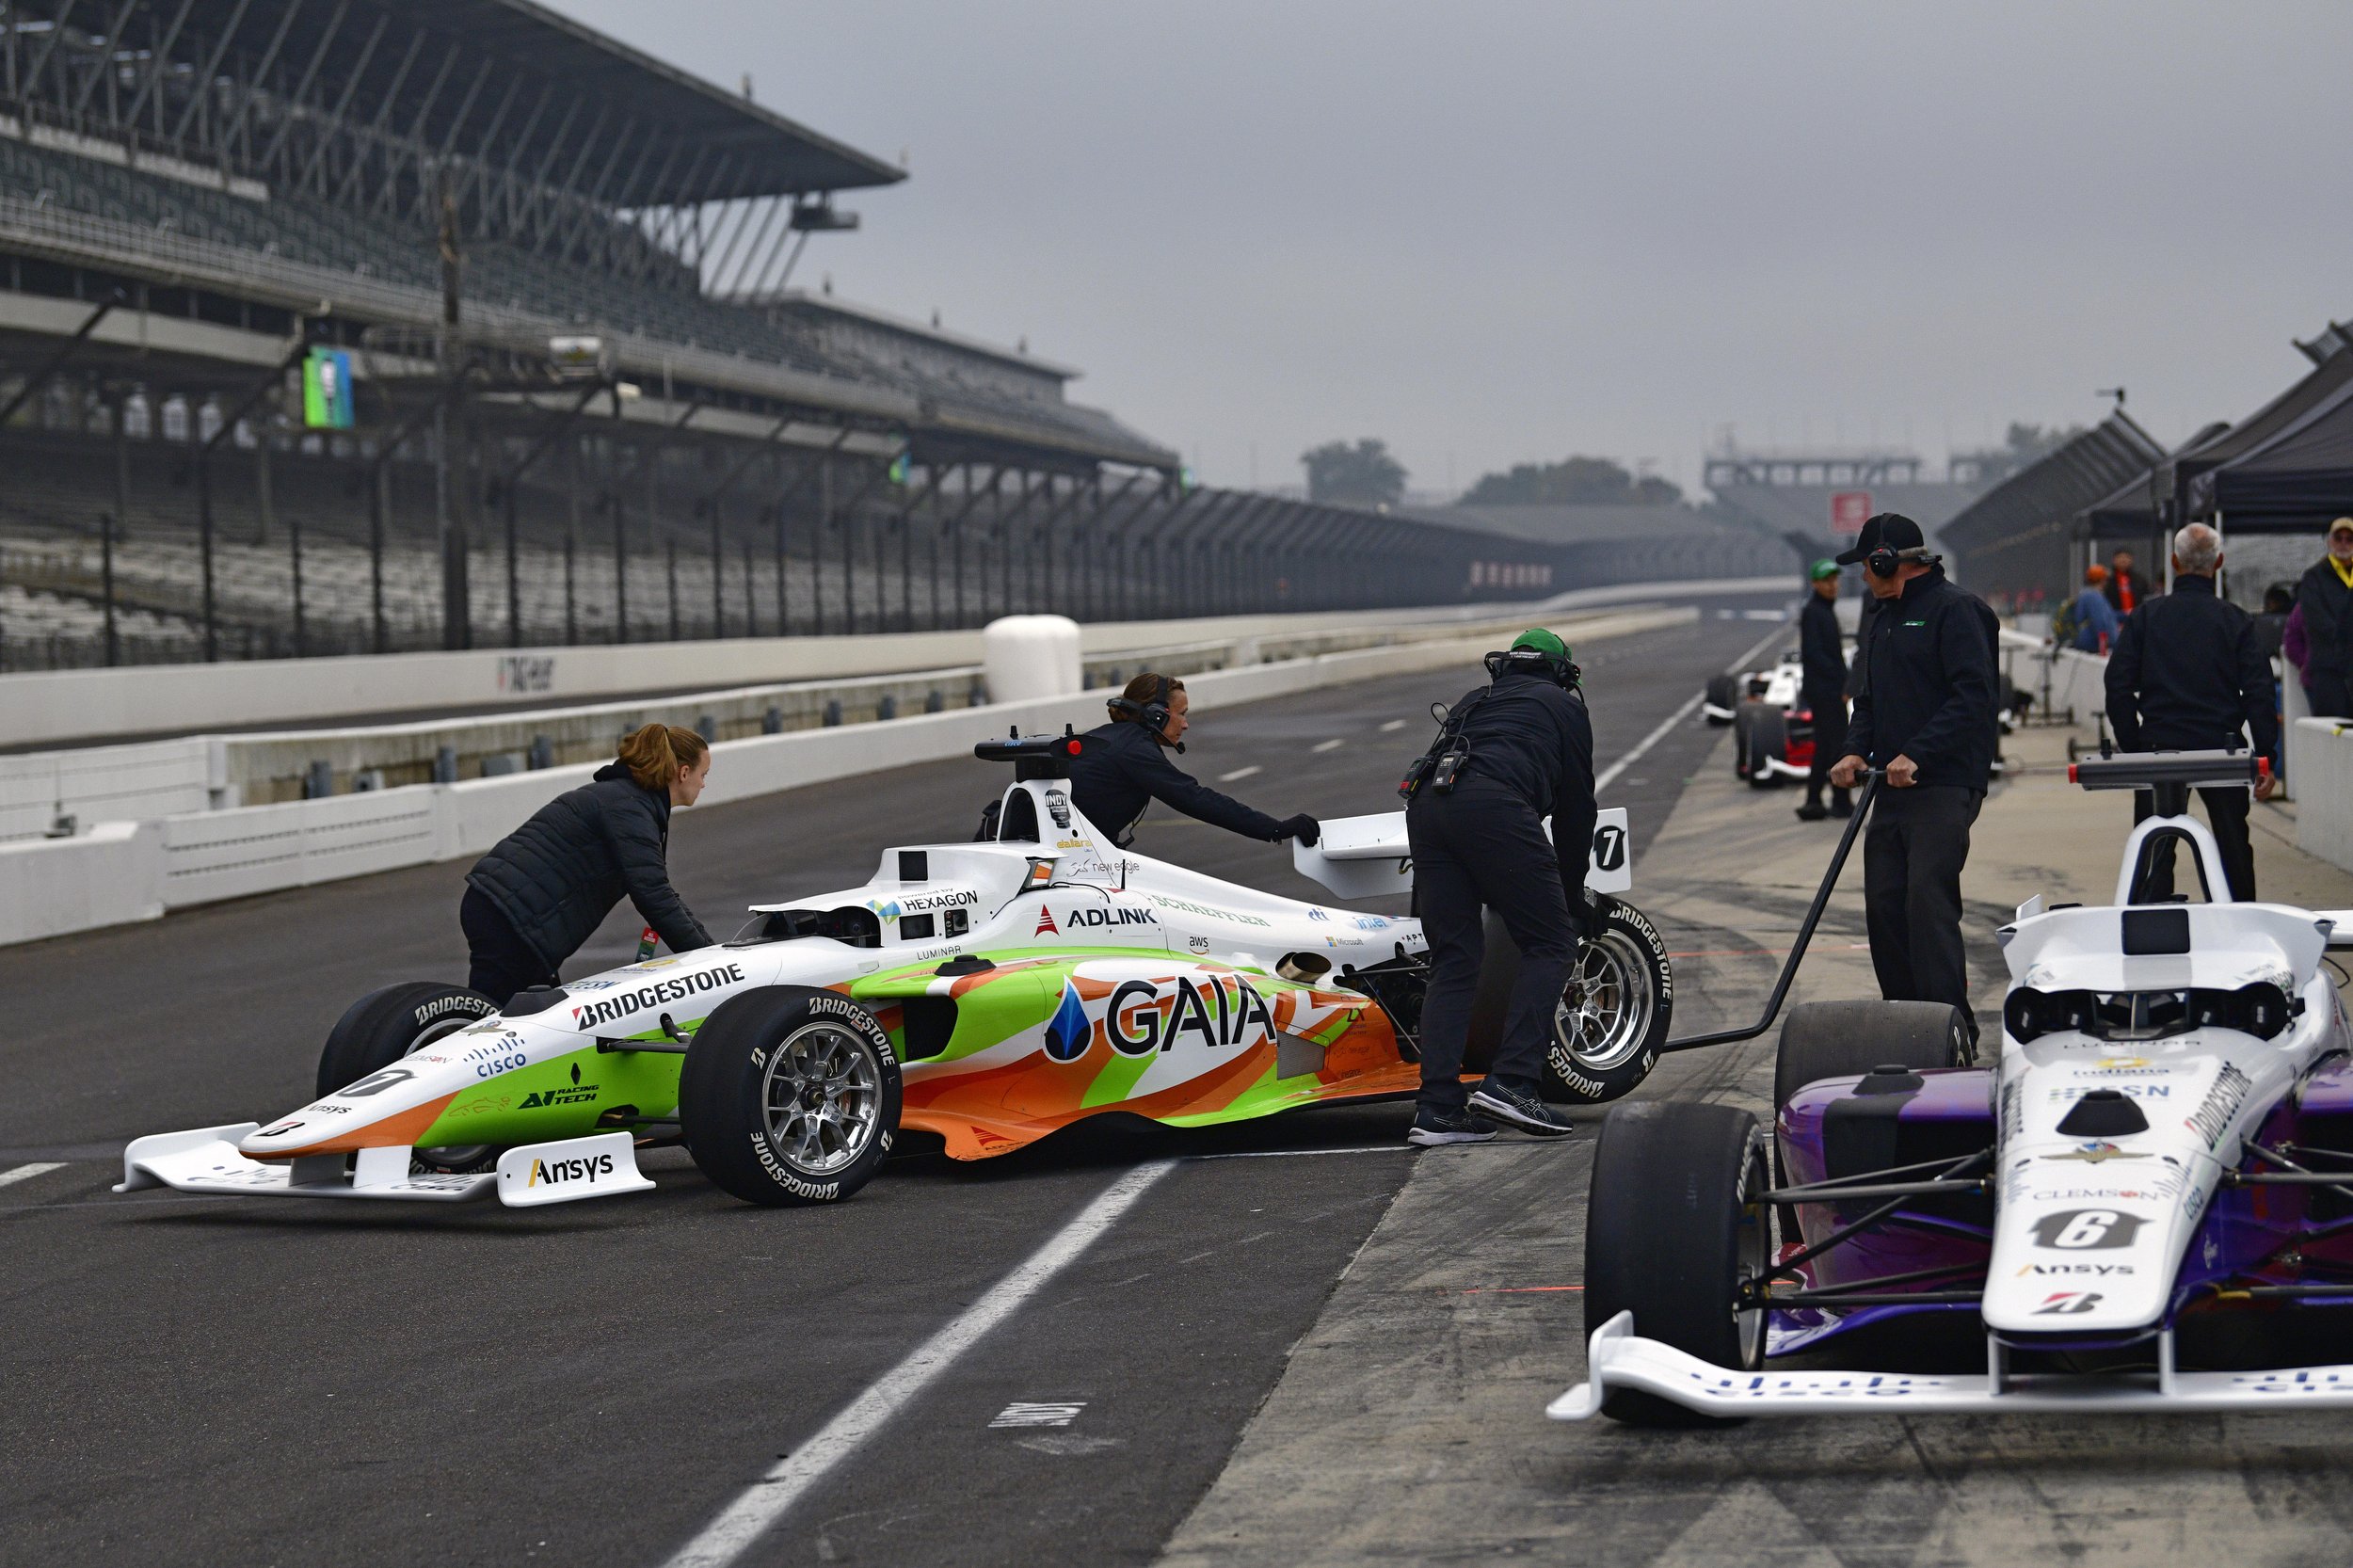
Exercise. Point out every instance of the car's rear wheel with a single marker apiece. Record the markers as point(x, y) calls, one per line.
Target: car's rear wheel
point(401, 1020)
point(789, 1096)
point(1744, 723)
point(1721, 695)
point(1847, 1039)
point(1676, 1232)
point(1613, 1013)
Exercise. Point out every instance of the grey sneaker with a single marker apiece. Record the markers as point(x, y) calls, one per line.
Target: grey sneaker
point(1518, 1107)
point(1433, 1128)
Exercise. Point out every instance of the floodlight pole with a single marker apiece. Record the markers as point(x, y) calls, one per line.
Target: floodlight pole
point(204, 481)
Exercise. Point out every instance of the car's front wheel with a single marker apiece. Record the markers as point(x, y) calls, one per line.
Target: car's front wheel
point(400, 1020)
point(789, 1096)
point(1676, 1232)
point(1613, 1013)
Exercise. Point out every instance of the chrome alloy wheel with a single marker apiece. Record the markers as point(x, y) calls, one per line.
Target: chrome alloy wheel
point(823, 1097)
point(1605, 1008)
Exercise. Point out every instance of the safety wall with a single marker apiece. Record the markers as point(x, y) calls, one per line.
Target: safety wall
point(159, 778)
point(123, 871)
point(83, 705)
point(2320, 763)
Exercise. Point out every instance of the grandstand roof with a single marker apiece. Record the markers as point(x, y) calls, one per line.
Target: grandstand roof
point(1572, 524)
point(755, 151)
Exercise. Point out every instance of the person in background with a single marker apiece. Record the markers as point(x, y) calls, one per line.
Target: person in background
point(2324, 601)
point(1123, 767)
point(545, 888)
point(2095, 617)
point(2126, 588)
point(2271, 621)
point(2190, 675)
point(1821, 690)
point(1926, 716)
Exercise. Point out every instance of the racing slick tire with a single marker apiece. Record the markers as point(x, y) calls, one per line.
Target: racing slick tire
point(1613, 1013)
point(1847, 1039)
point(400, 1020)
point(1768, 741)
point(1673, 1229)
point(1722, 694)
point(789, 1096)
point(1743, 721)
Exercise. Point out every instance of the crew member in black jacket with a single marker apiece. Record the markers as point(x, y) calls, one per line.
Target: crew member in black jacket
point(2325, 594)
point(1925, 714)
point(1822, 690)
point(2188, 673)
point(1527, 746)
point(545, 888)
point(1123, 767)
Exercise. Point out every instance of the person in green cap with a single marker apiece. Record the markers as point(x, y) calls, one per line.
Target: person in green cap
point(1822, 690)
point(1509, 754)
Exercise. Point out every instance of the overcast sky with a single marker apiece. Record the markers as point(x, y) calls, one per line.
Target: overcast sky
point(1496, 232)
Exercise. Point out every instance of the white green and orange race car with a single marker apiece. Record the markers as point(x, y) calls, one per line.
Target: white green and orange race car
point(983, 994)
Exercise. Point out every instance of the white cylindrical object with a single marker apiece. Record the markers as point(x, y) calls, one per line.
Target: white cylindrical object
point(1027, 657)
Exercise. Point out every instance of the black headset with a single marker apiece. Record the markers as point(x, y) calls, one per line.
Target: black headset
point(1560, 672)
point(1152, 712)
point(1883, 562)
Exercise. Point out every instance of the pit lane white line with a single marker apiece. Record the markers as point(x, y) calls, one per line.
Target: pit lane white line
point(1238, 773)
point(1327, 746)
point(1393, 723)
point(742, 1521)
point(25, 1173)
point(1294, 1154)
point(1609, 775)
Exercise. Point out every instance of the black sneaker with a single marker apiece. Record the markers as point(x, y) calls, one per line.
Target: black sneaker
point(1813, 810)
point(1842, 806)
point(1519, 1109)
point(1433, 1128)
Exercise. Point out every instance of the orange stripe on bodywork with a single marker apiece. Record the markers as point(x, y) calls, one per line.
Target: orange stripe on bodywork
point(400, 1127)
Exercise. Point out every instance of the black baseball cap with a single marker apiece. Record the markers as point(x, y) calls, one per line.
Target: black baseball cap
point(1883, 530)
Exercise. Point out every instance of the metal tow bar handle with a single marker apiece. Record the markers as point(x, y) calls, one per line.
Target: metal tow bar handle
point(1806, 931)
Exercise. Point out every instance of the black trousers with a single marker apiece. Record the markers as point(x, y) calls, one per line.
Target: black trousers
point(2226, 810)
point(1484, 847)
point(503, 962)
point(2329, 696)
point(1829, 740)
point(1912, 859)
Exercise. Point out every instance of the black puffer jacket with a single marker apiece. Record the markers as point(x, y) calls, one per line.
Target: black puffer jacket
point(1122, 768)
point(558, 876)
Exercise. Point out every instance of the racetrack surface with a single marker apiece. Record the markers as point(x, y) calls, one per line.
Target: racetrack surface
point(273, 1381)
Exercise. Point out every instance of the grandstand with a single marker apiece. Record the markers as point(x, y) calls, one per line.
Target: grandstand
point(1628, 543)
point(1793, 495)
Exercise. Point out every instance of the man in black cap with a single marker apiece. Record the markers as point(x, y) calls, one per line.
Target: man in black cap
point(1926, 716)
point(2189, 674)
point(1822, 690)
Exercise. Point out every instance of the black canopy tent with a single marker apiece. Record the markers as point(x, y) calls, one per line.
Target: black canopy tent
point(2016, 540)
point(2292, 482)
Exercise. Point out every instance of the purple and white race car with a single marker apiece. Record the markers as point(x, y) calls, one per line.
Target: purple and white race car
point(2145, 1203)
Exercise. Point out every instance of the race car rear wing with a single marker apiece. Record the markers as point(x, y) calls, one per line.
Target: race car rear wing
point(1368, 856)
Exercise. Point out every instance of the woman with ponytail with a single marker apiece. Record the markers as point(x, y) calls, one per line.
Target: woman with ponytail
point(545, 888)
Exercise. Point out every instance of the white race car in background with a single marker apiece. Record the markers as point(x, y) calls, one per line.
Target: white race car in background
point(1772, 731)
point(2156, 1175)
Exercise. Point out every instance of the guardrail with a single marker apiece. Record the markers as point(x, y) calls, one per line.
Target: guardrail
point(123, 871)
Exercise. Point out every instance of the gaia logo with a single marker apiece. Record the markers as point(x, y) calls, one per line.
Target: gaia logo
point(1070, 1032)
point(1046, 926)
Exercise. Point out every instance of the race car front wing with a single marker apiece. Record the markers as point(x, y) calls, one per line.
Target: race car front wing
point(206, 1160)
point(1619, 1358)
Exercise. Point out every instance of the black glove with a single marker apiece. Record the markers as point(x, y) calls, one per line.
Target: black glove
point(1301, 828)
point(1585, 911)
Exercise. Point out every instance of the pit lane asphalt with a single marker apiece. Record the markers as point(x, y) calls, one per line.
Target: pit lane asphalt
point(269, 1381)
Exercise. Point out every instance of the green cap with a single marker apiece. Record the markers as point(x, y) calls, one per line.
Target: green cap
point(1820, 569)
point(1542, 641)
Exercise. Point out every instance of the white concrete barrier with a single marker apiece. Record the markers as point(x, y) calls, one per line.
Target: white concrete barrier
point(123, 871)
point(105, 783)
point(2320, 764)
point(151, 699)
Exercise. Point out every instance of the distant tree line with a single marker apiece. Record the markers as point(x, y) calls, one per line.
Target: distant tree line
point(1364, 473)
point(1572, 481)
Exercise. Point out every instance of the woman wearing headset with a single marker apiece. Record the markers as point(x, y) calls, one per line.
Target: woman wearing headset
point(1124, 767)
